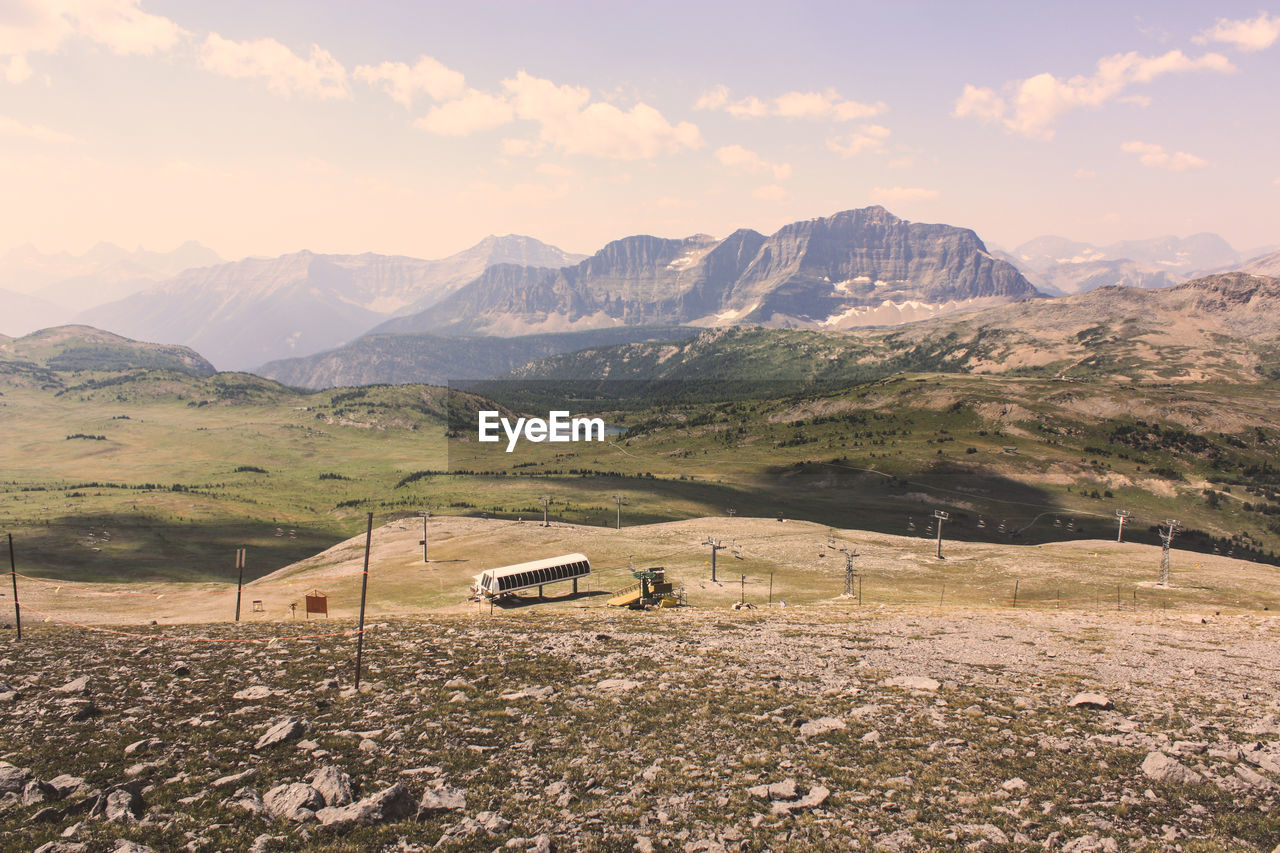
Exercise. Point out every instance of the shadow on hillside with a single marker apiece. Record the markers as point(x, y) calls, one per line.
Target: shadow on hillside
point(127, 548)
point(520, 601)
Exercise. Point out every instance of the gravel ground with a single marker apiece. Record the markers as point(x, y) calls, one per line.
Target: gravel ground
point(804, 728)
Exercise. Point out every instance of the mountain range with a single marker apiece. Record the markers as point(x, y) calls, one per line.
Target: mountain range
point(244, 313)
point(856, 268)
point(1060, 266)
point(1224, 327)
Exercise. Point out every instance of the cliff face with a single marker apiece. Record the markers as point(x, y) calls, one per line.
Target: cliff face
point(856, 268)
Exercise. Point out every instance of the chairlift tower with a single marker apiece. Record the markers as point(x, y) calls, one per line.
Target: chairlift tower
point(546, 501)
point(849, 573)
point(1170, 530)
point(942, 516)
point(715, 545)
point(1121, 516)
point(425, 515)
point(619, 500)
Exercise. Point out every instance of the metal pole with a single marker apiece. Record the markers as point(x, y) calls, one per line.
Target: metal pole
point(942, 594)
point(424, 537)
point(771, 587)
point(742, 596)
point(713, 563)
point(364, 588)
point(1015, 593)
point(859, 590)
point(13, 574)
point(240, 582)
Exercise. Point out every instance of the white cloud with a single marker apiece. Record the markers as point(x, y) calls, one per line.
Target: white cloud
point(42, 26)
point(1085, 174)
point(827, 105)
point(906, 161)
point(1248, 35)
point(892, 195)
point(569, 121)
point(286, 73)
point(402, 81)
point(523, 147)
point(473, 112)
point(869, 137)
point(744, 160)
point(1156, 157)
point(1032, 106)
point(770, 192)
point(554, 170)
point(12, 127)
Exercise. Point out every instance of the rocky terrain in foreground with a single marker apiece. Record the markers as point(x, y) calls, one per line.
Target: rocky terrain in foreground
point(802, 728)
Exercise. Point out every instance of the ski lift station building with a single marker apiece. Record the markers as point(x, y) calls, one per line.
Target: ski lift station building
point(508, 580)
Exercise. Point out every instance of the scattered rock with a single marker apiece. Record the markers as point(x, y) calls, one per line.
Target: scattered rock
point(1091, 844)
point(122, 806)
point(125, 846)
point(181, 668)
point(1017, 783)
point(394, 803)
point(785, 790)
point(614, 684)
point(253, 693)
point(333, 785)
point(76, 685)
point(895, 842)
point(295, 801)
point(234, 778)
point(1162, 768)
point(1090, 700)
point(62, 847)
point(912, 682)
point(146, 745)
point(822, 725)
point(12, 779)
point(287, 729)
point(985, 831)
point(247, 799)
point(439, 797)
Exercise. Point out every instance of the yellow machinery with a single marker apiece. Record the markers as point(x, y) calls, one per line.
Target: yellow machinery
point(651, 588)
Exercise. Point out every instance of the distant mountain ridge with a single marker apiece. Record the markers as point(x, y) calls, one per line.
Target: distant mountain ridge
point(40, 289)
point(1223, 327)
point(855, 268)
point(1062, 267)
point(248, 312)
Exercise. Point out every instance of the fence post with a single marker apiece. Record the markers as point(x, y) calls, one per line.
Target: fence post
point(13, 574)
point(364, 588)
point(1015, 593)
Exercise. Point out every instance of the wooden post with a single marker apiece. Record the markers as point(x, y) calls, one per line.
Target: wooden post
point(1117, 596)
point(364, 588)
point(1015, 593)
point(742, 596)
point(859, 590)
point(771, 588)
point(424, 537)
point(942, 594)
point(13, 575)
point(1135, 599)
point(240, 582)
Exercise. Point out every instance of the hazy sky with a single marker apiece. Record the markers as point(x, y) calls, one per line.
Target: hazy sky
point(261, 127)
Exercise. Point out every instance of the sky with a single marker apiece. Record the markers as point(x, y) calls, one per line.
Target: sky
point(417, 128)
